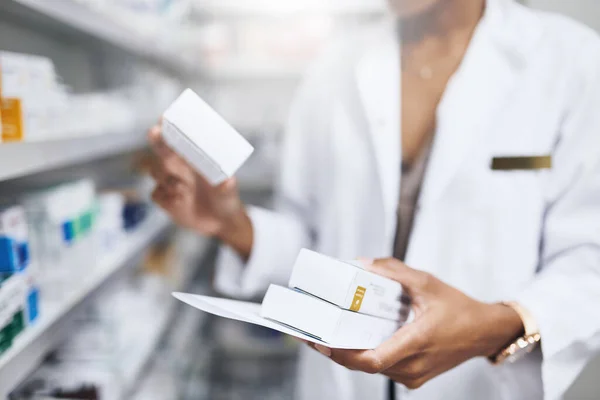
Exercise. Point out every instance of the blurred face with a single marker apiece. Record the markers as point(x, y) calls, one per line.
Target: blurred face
point(410, 8)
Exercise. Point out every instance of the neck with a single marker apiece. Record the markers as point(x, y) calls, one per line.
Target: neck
point(442, 21)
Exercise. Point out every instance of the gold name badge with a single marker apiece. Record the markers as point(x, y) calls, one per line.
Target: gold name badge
point(521, 163)
point(359, 295)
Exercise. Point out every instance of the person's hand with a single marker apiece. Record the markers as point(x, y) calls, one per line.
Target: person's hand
point(192, 202)
point(449, 328)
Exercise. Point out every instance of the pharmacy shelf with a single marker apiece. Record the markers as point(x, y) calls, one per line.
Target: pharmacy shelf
point(132, 373)
point(246, 71)
point(27, 158)
point(55, 323)
point(72, 17)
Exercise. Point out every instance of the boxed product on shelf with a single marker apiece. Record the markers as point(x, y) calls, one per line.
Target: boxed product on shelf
point(30, 94)
point(13, 309)
point(32, 296)
point(110, 225)
point(14, 240)
point(61, 221)
point(135, 212)
point(19, 294)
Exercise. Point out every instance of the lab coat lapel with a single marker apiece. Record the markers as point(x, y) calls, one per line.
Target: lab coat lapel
point(473, 98)
point(378, 82)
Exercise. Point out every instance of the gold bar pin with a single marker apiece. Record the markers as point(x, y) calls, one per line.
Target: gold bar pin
point(521, 163)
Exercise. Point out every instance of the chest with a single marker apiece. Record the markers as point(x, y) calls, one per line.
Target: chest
point(464, 194)
point(421, 91)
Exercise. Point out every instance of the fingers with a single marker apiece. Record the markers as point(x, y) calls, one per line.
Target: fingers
point(326, 351)
point(405, 343)
point(171, 170)
point(158, 144)
point(230, 185)
point(412, 280)
point(167, 196)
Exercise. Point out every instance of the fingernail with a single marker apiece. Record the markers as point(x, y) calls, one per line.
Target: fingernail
point(326, 351)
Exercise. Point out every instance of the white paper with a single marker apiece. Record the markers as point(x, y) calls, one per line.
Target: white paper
point(245, 312)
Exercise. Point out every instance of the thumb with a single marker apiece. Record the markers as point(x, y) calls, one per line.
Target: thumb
point(414, 282)
point(227, 187)
point(158, 144)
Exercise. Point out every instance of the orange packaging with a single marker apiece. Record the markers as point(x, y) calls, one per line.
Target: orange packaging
point(12, 120)
point(1, 103)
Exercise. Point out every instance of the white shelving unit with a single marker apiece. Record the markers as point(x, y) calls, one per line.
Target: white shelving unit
point(133, 371)
point(55, 321)
point(93, 52)
point(245, 71)
point(26, 158)
point(75, 18)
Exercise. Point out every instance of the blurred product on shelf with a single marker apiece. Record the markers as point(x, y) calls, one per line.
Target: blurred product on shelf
point(14, 240)
point(30, 94)
point(36, 106)
point(61, 221)
point(19, 294)
point(119, 331)
point(86, 380)
point(110, 226)
point(12, 310)
point(135, 211)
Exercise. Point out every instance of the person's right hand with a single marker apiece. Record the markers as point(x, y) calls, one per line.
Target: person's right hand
point(192, 202)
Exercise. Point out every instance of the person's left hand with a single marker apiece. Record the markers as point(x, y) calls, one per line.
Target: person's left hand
point(449, 328)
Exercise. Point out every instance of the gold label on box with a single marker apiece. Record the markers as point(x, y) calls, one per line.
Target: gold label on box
point(359, 295)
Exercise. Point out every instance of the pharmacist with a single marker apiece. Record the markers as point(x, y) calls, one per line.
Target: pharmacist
point(493, 173)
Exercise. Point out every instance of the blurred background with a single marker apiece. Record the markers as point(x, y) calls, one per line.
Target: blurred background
point(87, 264)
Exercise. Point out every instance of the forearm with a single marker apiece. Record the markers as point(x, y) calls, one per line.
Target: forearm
point(237, 232)
point(276, 240)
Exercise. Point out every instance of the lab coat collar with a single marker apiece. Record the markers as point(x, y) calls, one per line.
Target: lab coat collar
point(478, 91)
point(498, 51)
point(378, 84)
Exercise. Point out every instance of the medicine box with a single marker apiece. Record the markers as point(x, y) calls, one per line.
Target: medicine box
point(28, 91)
point(347, 285)
point(203, 138)
point(325, 321)
point(13, 294)
point(14, 240)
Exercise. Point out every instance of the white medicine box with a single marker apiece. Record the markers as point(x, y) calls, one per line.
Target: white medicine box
point(203, 138)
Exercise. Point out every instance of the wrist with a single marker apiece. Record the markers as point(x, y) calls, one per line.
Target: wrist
point(237, 232)
point(501, 326)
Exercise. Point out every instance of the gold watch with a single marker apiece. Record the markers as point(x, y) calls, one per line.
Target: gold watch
point(523, 345)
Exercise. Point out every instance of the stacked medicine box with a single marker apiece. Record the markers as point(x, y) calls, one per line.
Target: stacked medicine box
point(30, 96)
point(19, 294)
point(337, 302)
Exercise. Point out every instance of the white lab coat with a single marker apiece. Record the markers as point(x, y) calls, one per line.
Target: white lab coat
point(529, 86)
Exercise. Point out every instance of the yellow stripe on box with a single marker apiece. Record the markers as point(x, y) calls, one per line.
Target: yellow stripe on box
point(359, 295)
point(12, 120)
